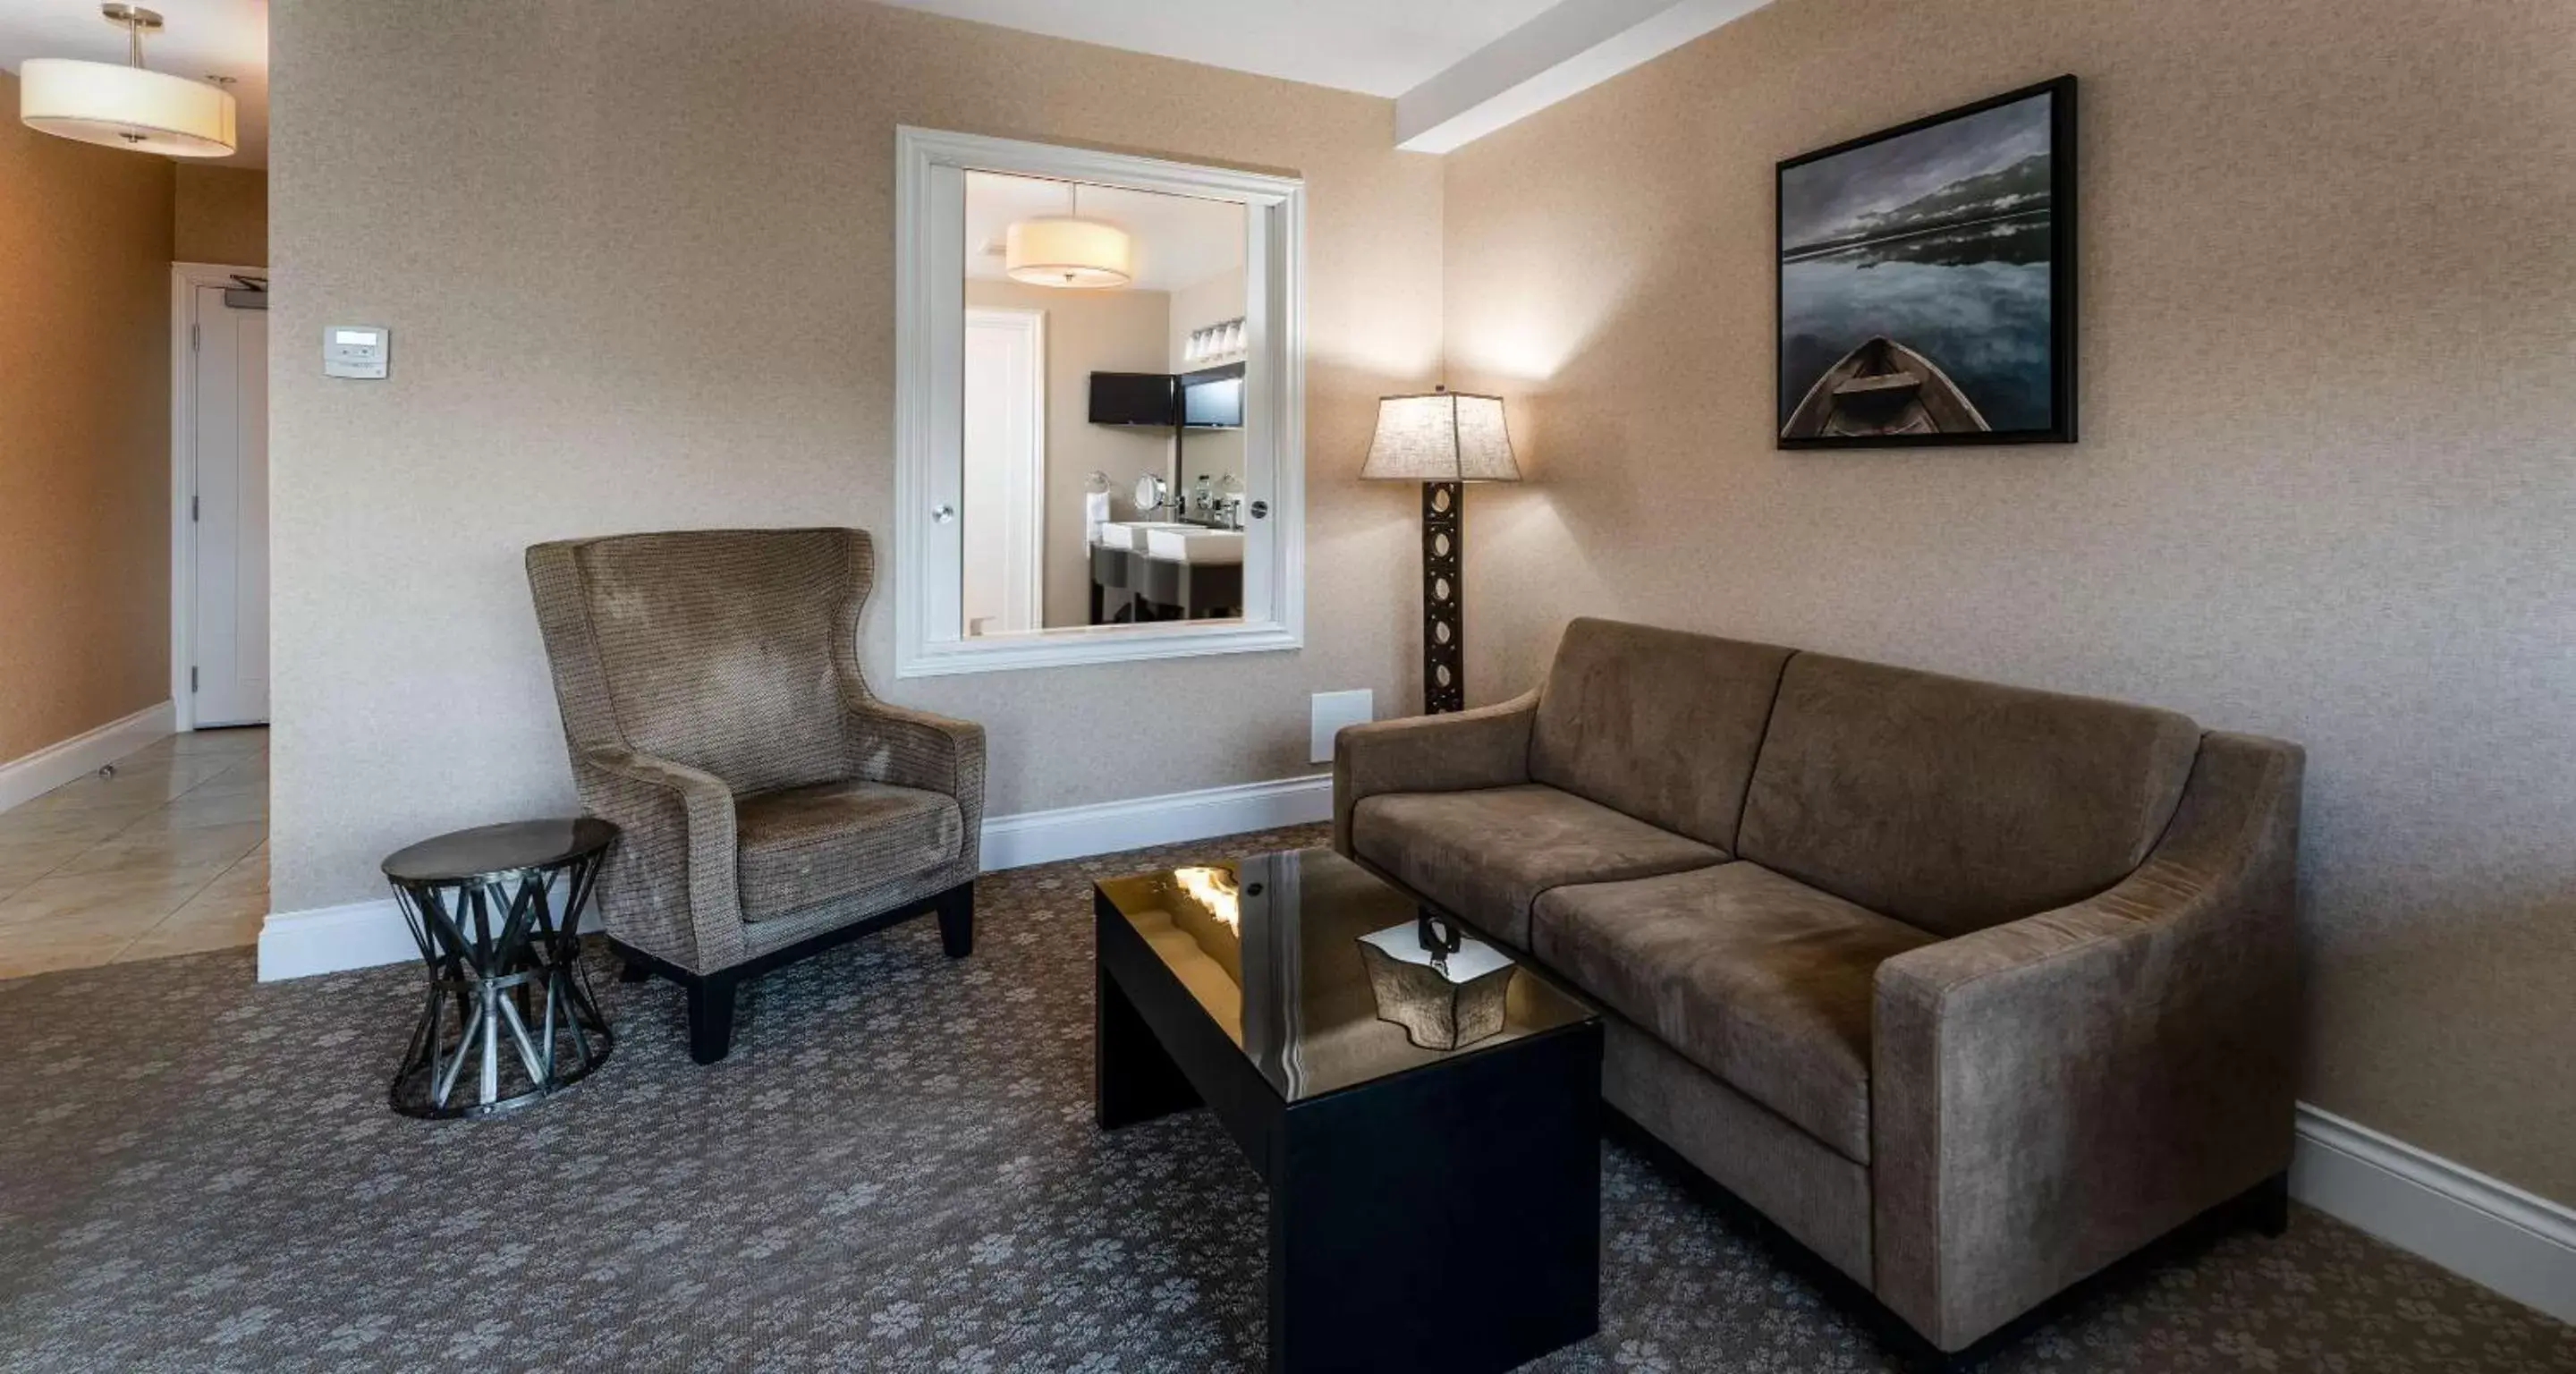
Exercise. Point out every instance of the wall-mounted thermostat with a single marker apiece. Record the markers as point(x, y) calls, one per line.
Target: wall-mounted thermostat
point(355, 350)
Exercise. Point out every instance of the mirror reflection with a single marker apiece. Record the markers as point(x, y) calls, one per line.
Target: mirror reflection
point(1104, 396)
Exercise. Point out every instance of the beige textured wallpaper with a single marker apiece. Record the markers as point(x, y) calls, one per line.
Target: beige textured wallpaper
point(2325, 489)
point(1086, 331)
point(84, 435)
point(222, 215)
point(640, 275)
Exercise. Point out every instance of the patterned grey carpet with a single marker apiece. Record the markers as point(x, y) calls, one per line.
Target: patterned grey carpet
point(896, 1171)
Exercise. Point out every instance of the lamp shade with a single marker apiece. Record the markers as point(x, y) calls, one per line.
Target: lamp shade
point(126, 107)
point(1061, 251)
point(1446, 436)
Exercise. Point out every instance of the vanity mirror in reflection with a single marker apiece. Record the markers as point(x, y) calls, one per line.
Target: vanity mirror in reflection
point(1092, 313)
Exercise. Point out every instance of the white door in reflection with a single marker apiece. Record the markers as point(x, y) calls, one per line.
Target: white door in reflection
point(1005, 475)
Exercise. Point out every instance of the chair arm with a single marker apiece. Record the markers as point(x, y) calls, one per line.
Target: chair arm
point(1456, 752)
point(908, 748)
point(2049, 1094)
point(671, 886)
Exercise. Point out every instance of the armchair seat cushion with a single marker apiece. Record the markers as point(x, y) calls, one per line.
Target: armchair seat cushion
point(1486, 855)
point(803, 845)
point(1757, 978)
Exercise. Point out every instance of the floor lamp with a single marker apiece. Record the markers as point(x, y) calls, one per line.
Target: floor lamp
point(1442, 440)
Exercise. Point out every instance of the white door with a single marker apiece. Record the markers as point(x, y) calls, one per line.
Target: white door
point(228, 635)
point(1003, 494)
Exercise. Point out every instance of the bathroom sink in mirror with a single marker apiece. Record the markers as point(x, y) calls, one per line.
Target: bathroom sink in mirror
point(1131, 534)
point(1106, 451)
point(1189, 545)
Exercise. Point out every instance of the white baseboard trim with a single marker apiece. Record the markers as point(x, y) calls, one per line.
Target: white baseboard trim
point(25, 779)
point(328, 939)
point(2485, 1230)
point(297, 944)
point(1073, 832)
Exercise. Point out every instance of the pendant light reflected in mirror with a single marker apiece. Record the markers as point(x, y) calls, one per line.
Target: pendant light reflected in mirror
point(1069, 251)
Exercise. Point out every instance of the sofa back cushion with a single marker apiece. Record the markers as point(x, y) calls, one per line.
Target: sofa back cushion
point(1956, 805)
point(1659, 724)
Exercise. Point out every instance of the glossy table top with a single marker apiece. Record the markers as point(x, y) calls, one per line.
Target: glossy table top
point(503, 848)
point(1269, 947)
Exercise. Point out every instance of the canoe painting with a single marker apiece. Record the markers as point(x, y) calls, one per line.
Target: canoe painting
point(1922, 281)
point(1883, 387)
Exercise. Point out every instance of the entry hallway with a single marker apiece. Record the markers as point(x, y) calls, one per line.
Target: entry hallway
point(168, 855)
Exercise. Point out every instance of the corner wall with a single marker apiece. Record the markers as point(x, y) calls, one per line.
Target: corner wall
point(84, 435)
point(220, 215)
point(2326, 488)
point(640, 275)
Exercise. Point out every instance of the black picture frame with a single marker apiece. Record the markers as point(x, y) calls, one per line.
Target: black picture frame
point(2059, 426)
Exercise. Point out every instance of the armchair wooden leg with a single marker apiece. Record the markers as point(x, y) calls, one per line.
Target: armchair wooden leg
point(957, 920)
point(711, 1017)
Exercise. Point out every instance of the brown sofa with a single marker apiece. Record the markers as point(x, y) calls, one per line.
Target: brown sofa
point(1971, 989)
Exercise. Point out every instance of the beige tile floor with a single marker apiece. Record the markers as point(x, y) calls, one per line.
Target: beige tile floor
point(167, 856)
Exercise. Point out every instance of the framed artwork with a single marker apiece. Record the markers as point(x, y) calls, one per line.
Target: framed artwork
point(1926, 289)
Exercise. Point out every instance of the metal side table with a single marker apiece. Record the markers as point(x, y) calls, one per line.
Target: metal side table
point(495, 911)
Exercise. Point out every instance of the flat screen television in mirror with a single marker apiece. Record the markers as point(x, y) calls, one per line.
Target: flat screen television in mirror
point(1213, 398)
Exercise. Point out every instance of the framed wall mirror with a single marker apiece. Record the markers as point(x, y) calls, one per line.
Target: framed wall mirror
point(1099, 412)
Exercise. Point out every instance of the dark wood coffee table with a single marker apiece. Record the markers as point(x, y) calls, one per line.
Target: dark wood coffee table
point(1430, 1209)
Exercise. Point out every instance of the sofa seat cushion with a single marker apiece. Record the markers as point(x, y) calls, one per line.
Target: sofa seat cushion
point(1757, 978)
point(803, 845)
point(1486, 855)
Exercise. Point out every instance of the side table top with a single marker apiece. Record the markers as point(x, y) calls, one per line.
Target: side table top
point(503, 848)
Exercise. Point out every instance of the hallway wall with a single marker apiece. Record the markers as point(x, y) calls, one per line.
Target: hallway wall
point(85, 242)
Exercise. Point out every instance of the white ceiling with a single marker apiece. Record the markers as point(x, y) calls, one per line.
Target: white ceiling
point(200, 38)
point(1466, 66)
point(1178, 240)
point(1383, 47)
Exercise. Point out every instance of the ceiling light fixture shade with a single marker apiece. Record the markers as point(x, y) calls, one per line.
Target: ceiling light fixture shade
point(1446, 436)
point(1069, 251)
point(128, 106)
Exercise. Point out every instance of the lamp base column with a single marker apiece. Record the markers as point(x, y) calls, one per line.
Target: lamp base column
point(1444, 672)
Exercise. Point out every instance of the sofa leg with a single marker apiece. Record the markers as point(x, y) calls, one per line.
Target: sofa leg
point(711, 1017)
point(957, 920)
point(2267, 1205)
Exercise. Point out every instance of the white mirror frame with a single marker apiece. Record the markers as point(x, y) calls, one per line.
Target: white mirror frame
point(930, 313)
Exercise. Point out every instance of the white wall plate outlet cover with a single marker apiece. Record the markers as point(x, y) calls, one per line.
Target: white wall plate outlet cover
point(1332, 711)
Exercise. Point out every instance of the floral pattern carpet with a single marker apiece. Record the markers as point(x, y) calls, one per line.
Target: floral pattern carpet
point(896, 1170)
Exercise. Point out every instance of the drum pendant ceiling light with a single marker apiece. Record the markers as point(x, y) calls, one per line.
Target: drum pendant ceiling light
point(128, 106)
point(1068, 251)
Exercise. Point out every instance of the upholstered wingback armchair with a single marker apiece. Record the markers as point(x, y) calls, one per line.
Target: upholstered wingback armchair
point(768, 805)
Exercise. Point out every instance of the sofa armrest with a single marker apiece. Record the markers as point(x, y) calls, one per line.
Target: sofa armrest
point(670, 887)
point(2049, 1094)
point(909, 748)
point(1456, 752)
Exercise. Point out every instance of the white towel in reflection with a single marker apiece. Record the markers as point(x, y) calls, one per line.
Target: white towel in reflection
point(1095, 513)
